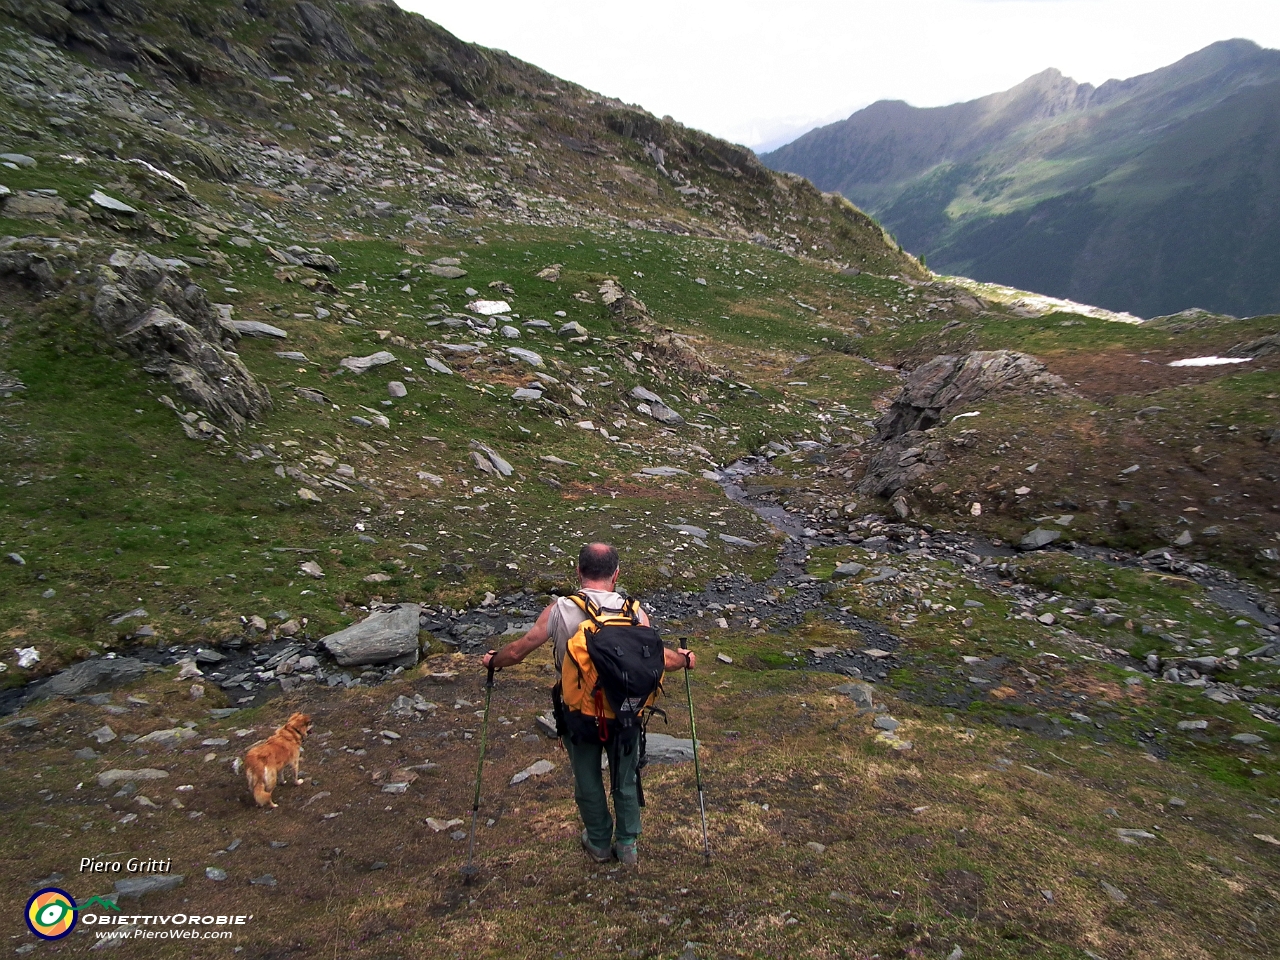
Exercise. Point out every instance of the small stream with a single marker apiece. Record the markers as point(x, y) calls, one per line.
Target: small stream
point(1223, 588)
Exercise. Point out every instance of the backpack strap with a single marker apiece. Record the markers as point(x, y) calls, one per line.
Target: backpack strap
point(643, 760)
point(583, 603)
point(631, 607)
point(602, 724)
point(588, 607)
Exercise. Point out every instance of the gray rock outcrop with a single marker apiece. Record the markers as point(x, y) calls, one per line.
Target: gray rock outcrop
point(948, 381)
point(154, 311)
point(387, 636)
point(255, 328)
point(653, 406)
point(903, 450)
point(628, 310)
point(900, 463)
point(36, 261)
point(1262, 347)
point(27, 205)
point(358, 365)
point(92, 676)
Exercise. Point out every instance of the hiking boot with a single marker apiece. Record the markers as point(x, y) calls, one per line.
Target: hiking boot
point(595, 853)
point(627, 854)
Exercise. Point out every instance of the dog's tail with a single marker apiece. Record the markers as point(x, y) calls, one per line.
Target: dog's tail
point(262, 780)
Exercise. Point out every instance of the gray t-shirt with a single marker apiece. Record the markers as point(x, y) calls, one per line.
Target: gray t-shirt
point(566, 616)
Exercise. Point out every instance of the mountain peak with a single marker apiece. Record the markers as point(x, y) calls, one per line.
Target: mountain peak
point(1222, 53)
point(1237, 47)
point(1047, 75)
point(1043, 95)
point(1064, 169)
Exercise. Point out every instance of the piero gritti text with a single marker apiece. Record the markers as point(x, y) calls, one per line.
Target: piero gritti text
point(132, 865)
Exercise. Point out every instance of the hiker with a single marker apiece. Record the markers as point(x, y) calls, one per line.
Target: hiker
point(560, 622)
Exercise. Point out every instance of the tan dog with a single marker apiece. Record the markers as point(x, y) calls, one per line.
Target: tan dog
point(267, 759)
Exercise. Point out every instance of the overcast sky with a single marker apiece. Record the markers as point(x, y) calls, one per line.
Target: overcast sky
point(760, 73)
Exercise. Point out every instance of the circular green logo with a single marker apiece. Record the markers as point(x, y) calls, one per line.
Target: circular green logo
point(51, 913)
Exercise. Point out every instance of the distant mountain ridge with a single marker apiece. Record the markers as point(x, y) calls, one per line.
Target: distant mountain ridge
point(1150, 195)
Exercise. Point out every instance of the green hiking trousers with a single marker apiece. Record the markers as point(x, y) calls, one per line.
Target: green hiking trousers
point(588, 791)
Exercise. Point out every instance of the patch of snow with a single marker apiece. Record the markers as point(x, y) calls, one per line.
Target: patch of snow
point(1208, 361)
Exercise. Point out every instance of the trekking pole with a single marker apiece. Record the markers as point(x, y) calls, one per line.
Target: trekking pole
point(470, 870)
point(697, 769)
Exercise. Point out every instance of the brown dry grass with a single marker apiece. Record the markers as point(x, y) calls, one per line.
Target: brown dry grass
point(925, 849)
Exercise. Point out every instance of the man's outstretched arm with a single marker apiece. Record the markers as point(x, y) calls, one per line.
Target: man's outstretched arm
point(517, 650)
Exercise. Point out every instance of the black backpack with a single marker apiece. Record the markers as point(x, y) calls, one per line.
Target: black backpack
point(614, 666)
point(612, 673)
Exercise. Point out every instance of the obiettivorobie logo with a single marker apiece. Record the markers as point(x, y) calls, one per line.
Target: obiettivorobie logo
point(51, 913)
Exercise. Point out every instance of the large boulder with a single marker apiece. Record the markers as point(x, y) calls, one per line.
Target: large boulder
point(134, 888)
point(387, 636)
point(256, 328)
point(1038, 539)
point(653, 406)
point(662, 748)
point(665, 415)
point(92, 676)
point(862, 694)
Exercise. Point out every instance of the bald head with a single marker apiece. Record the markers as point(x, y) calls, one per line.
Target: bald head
point(597, 562)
